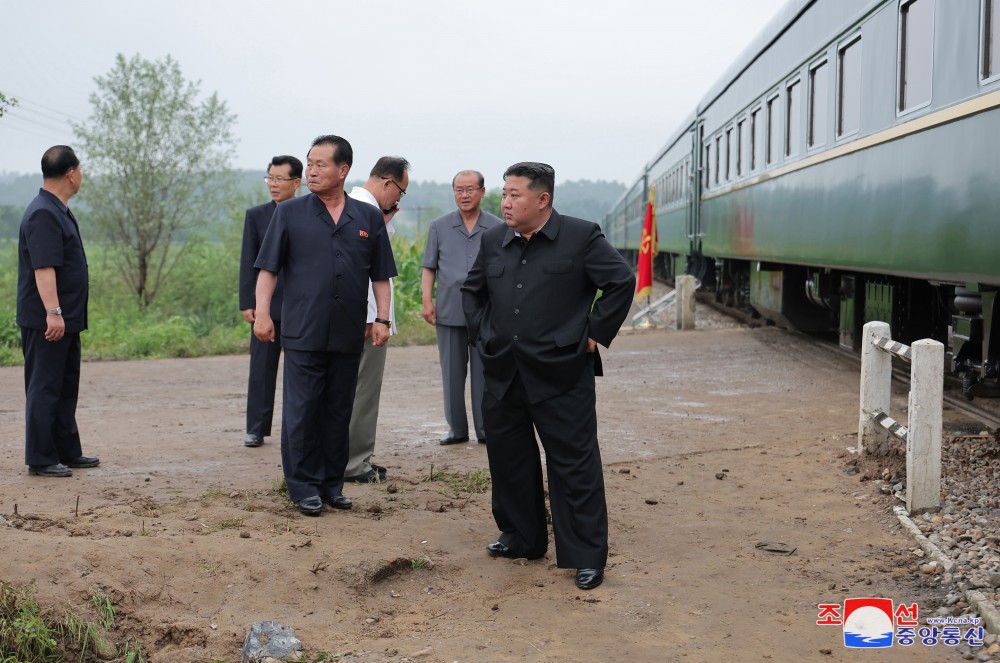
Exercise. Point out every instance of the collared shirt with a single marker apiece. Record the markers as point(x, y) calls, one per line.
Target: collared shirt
point(365, 196)
point(50, 237)
point(326, 267)
point(451, 251)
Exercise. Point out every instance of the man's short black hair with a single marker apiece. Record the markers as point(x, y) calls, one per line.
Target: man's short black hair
point(294, 165)
point(540, 175)
point(391, 167)
point(58, 160)
point(342, 152)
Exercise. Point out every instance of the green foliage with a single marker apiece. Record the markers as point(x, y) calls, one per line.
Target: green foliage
point(157, 159)
point(6, 103)
point(412, 329)
point(105, 608)
point(31, 634)
point(491, 203)
point(132, 652)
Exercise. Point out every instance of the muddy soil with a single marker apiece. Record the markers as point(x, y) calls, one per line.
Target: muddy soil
point(714, 442)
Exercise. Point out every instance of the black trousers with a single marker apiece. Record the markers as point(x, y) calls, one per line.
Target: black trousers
point(567, 427)
point(317, 399)
point(51, 389)
point(261, 385)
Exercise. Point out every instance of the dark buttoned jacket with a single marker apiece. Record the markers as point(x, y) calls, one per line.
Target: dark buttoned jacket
point(326, 268)
point(50, 237)
point(529, 304)
point(254, 228)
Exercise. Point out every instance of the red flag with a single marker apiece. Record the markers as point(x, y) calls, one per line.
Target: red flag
point(647, 251)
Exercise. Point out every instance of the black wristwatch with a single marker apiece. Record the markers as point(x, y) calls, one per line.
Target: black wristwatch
point(387, 323)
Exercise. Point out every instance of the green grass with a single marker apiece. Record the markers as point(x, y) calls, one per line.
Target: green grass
point(196, 313)
point(30, 633)
point(476, 481)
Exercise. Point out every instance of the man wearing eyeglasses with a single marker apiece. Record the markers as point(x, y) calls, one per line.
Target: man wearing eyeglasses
point(384, 189)
point(452, 246)
point(328, 247)
point(284, 176)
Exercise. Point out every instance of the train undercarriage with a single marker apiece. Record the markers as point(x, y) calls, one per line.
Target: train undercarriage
point(837, 304)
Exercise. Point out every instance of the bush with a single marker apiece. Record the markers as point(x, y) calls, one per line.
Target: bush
point(196, 313)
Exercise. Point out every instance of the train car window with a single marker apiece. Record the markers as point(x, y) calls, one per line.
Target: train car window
point(916, 51)
point(792, 118)
point(990, 44)
point(740, 142)
point(718, 157)
point(772, 130)
point(849, 88)
point(818, 95)
point(729, 154)
point(707, 168)
point(756, 139)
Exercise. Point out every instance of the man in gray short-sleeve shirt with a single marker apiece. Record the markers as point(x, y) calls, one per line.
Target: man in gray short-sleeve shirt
point(452, 246)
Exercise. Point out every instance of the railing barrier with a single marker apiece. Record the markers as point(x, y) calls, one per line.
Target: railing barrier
point(922, 436)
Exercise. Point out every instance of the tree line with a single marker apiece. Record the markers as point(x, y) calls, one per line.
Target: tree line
point(161, 211)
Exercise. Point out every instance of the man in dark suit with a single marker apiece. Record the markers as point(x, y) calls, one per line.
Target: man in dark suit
point(284, 175)
point(52, 293)
point(327, 246)
point(529, 304)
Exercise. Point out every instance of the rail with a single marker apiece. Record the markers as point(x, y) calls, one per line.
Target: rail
point(923, 435)
point(685, 287)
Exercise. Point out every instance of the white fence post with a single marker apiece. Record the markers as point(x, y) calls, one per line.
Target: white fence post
point(685, 285)
point(876, 385)
point(923, 443)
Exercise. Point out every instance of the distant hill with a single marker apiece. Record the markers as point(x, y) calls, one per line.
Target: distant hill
point(424, 202)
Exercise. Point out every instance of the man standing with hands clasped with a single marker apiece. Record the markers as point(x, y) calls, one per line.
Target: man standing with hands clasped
point(452, 246)
point(284, 175)
point(52, 294)
point(327, 246)
point(529, 304)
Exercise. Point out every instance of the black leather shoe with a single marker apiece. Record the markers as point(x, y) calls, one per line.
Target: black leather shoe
point(311, 506)
point(339, 501)
point(57, 470)
point(497, 549)
point(589, 578)
point(454, 440)
point(381, 471)
point(252, 440)
point(371, 476)
point(83, 461)
point(481, 440)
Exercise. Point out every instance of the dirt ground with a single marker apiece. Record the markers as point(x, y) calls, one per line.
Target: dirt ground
point(180, 524)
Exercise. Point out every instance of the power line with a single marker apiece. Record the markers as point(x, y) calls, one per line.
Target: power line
point(24, 100)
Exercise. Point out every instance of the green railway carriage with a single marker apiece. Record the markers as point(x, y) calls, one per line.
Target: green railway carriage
point(845, 169)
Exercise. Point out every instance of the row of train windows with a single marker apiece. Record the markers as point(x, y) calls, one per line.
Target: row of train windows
point(673, 186)
point(728, 156)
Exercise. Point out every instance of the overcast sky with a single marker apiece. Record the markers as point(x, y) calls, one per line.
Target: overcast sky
point(592, 87)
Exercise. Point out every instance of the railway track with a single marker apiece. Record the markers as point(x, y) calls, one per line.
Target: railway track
point(987, 411)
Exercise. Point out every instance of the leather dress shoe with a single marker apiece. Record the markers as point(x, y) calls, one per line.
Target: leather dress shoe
point(454, 440)
point(481, 440)
point(57, 470)
point(381, 471)
point(338, 501)
point(253, 440)
point(497, 549)
point(589, 578)
point(371, 476)
point(83, 461)
point(311, 506)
